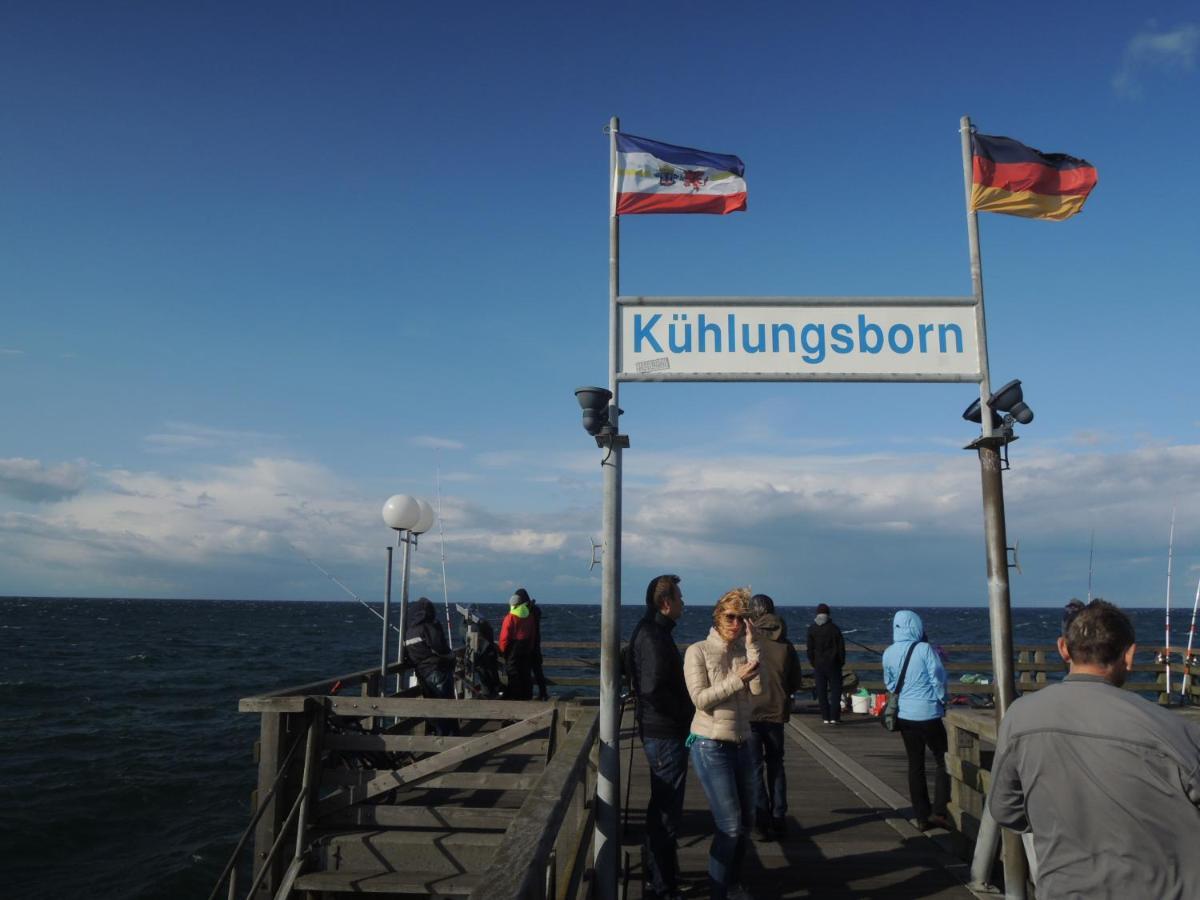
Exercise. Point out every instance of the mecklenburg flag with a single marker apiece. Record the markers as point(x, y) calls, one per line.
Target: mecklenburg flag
point(1008, 177)
point(661, 178)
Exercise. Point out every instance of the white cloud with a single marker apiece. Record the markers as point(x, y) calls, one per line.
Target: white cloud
point(877, 527)
point(11, 351)
point(34, 482)
point(436, 443)
point(182, 436)
point(1152, 49)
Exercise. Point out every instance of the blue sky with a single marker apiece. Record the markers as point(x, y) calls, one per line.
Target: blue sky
point(263, 265)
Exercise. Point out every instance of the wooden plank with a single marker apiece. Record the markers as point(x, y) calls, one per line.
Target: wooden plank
point(417, 743)
point(432, 884)
point(457, 818)
point(490, 781)
point(518, 869)
point(502, 710)
point(418, 771)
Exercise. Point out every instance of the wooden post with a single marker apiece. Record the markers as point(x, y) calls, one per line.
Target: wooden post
point(277, 731)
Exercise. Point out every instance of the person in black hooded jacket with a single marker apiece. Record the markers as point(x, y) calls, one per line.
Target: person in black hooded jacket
point(664, 717)
point(827, 654)
point(425, 646)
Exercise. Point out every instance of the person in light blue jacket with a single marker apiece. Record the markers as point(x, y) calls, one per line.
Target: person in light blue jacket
point(922, 706)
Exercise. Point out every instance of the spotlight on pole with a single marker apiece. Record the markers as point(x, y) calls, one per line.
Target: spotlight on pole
point(594, 401)
point(1009, 401)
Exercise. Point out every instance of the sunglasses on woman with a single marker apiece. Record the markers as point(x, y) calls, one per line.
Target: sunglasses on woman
point(732, 617)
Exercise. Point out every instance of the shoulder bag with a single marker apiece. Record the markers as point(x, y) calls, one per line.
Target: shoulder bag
point(891, 712)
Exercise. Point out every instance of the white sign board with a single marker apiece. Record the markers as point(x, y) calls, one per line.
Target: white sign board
point(798, 339)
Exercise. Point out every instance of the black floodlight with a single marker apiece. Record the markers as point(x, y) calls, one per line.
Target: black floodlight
point(972, 414)
point(1011, 399)
point(1021, 412)
point(1004, 399)
point(594, 403)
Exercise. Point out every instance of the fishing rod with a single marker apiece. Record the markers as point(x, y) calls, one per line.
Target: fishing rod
point(1167, 648)
point(316, 565)
point(857, 644)
point(1187, 659)
point(1091, 555)
point(442, 541)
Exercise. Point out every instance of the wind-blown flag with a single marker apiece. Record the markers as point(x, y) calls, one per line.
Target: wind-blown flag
point(653, 177)
point(1008, 177)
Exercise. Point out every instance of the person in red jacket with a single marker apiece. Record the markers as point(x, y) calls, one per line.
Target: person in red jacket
point(518, 637)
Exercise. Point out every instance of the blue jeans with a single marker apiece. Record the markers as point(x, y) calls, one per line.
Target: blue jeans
point(668, 758)
point(766, 745)
point(829, 693)
point(726, 771)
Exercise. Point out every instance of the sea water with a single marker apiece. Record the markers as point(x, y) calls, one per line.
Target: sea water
point(127, 769)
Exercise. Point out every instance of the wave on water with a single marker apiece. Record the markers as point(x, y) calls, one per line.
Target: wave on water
point(138, 783)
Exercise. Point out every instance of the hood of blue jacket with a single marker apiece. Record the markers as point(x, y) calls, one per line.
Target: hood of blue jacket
point(906, 626)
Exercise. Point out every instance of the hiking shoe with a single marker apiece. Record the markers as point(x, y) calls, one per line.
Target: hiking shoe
point(939, 822)
point(761, 835)
point(779, 825)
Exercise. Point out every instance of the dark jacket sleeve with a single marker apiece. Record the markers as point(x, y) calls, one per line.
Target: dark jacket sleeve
point(791, 678)
point(812, 656)
point(841, 649)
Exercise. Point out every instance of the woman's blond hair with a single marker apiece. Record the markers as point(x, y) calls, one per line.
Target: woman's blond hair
point(734, 600)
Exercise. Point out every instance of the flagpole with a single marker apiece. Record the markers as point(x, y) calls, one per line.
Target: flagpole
point(994, 532)
point(608, 782)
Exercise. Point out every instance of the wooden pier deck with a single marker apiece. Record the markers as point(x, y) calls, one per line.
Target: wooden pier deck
point(848, 816)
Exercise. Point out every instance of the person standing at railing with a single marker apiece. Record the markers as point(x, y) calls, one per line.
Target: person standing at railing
point(426, 647)
point(1107, 781)
point(780, 676)
point(922, 708)
point(517, 636)
point(722, 673)
point(663, 711)
point(827, 656)
point(539, 676)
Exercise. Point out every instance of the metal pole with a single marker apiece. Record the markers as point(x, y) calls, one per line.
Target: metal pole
point(995, 538)
point(387, 604)
point(409, 540)
point(608, 783)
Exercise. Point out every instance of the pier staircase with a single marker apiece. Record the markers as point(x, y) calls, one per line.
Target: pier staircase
point(360, 795)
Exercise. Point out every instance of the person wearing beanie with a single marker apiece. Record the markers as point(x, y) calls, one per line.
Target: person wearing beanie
point(827, 655)
point(518, 636)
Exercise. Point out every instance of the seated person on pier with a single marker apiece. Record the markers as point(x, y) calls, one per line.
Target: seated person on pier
point(1108, 782)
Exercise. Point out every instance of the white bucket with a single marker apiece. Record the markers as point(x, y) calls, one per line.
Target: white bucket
point(860, 703)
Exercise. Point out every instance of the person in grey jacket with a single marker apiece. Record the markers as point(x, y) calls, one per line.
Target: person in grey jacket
point(1108, 782)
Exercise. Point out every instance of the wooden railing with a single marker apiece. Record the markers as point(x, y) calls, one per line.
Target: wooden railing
point(541, 850)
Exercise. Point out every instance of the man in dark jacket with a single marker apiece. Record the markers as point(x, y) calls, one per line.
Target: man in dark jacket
point(779, 671)
point(426, 648)
point(664, 717)
point(827, 655)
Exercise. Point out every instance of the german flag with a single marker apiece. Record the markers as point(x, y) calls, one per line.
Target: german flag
point(1008, 177)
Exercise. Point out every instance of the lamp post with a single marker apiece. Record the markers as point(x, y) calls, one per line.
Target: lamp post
point(601, 420)
point(409, 517)
point(997, 435)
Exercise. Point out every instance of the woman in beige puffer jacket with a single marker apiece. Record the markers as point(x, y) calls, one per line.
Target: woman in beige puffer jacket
point(721, 673)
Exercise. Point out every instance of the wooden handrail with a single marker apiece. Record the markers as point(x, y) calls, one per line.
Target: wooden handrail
point(518, 869)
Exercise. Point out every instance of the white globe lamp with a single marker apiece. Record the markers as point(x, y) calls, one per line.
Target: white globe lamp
point(402, 512)
point(425, 522)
